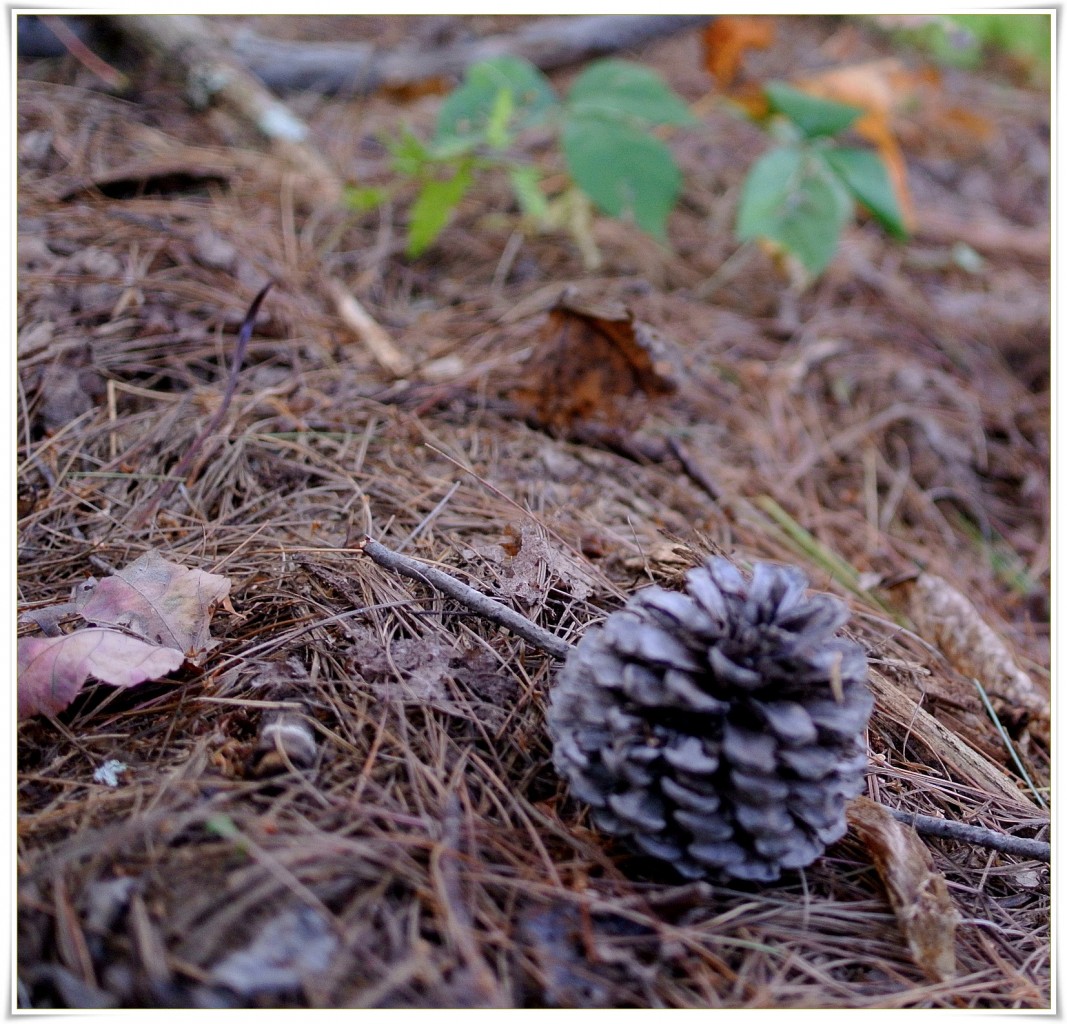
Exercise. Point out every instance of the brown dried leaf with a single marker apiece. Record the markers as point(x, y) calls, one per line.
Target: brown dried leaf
point(918, 892)
point(52, 670)
point(946, 618)
point(596, 364)
point(530, 565)
point(163, 602)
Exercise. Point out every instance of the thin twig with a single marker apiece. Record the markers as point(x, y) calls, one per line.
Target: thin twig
point(178, 475)
point(975, 835)
point(111, 77)
point(473, 599)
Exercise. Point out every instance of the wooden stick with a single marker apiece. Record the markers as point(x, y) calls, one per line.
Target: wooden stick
point(974, 834)
point(354, 68)
point(211, 73)
point(477, 602)
point(367, 329)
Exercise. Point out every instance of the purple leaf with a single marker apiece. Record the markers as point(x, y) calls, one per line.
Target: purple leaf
point(52, 670)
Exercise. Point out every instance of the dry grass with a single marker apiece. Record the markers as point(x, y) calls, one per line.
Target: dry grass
point(901, 420)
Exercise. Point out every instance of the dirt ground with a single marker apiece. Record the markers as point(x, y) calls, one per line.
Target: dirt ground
point(886, 429)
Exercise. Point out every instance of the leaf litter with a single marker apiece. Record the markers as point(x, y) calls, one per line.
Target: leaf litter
point(429, 832)
point(144, 622)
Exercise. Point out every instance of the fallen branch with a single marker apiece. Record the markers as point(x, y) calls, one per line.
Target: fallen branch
point(353, 68)
point(211, 74)
point(943, 828)
point(551, 644)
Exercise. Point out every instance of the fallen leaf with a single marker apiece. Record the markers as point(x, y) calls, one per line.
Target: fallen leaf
point(918, 892)
point(595, 364)
point(160, 601)
point(145, 621)
point(529, 566)
point(726, 41)
point(53, 670)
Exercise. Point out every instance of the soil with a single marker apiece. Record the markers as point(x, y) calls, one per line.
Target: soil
point(886, 428)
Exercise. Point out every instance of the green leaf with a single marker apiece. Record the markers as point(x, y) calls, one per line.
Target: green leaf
point(625, 171)
point(767, 187)
point(496, 130)
point(434, 208)
point(628, 91)
point(468, 111)
point(532, 201)
point(362, 199)
point(791, 197)
point(813, 116)
point(410, 154)
point(864, 174)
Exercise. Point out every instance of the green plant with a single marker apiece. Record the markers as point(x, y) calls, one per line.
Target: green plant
point(963, 40)
point(603, 130)
point(800, 195)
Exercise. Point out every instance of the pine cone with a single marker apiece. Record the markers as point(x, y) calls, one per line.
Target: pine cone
point(719, 729)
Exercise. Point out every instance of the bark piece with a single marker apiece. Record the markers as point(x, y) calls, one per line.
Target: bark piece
point(917, 891)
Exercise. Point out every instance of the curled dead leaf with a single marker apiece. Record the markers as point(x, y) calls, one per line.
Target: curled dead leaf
point(726, 41)
point(145, 621)
point(595, 364)
point(918, 892)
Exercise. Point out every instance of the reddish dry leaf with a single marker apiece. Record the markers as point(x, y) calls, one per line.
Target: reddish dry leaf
point(52, 670)
point(727, 39)
point(163, 602)
point(918, 892)
point(597, 364)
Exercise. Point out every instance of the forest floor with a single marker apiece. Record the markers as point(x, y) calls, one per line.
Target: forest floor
point(887, 429)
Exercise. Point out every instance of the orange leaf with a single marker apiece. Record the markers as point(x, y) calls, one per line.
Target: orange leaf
point(918, 892)
point(879, 88)
point(726, 41)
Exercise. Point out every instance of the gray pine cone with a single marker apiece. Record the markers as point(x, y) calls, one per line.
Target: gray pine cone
point(719, 729)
